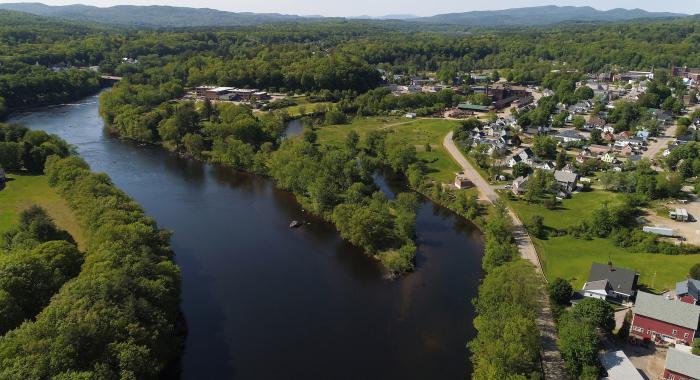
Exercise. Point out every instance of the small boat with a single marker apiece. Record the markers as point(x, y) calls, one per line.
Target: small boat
point(295, 224)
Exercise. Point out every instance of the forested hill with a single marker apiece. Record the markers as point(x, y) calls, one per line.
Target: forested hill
point(153, 16)
point(544, 15)
point(166, 16)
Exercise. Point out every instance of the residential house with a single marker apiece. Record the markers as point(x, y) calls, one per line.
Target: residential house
point(595, 123)
point(545, 165)
point(567, 180)
point(568, 136)
point(526, 156)
point(688, 291)
point(608, 137)
point(520, 185)
point(627, 150)
point(662, 320)
point(681, 365)
point(609, 157)
point(611, 283)
point(608, 129)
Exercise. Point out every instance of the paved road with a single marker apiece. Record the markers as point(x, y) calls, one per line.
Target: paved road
point(661, 143)
point(552, 363)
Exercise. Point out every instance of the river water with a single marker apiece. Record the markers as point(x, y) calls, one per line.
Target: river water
point(263, 301)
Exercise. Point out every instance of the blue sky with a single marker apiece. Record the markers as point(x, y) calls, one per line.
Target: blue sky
point(383, 7)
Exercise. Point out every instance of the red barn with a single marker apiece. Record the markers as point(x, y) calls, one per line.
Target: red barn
point(661, 320)
point(688, 291)
point(681, 365)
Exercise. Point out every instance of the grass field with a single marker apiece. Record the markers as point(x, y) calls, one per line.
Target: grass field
point(23, 191)
point(571, 259)
point(569, 212)
point(308, 108)
point(418, 132)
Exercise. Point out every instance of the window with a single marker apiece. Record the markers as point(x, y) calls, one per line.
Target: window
point(685, 335)
point(674, 332)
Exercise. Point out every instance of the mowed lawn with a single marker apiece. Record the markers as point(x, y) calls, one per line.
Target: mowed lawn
point(417, 132)
point(23, 191)
point(308, 108)
point(569, 212)
point(571, 259)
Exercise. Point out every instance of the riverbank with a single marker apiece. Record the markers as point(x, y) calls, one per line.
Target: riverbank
point(248, 279)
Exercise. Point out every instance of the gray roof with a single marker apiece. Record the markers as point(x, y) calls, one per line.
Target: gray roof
point(619, 367)
point(568, 177)
point(570, 134)
point(671, 311)
point(596, 285)
point(621, 280)
point(682, 362)
point(688, 286)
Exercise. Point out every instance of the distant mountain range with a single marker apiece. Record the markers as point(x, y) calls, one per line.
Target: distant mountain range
point(153, 16)
point(166, 16)
point(544, 15)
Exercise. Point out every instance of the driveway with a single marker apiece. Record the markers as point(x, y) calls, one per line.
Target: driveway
point(690, 231)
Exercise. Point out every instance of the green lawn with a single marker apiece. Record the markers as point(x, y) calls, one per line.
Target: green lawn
point(571, 259)
point(418, 132)
point(569, 212)
point(308, 108)
point(23, 191)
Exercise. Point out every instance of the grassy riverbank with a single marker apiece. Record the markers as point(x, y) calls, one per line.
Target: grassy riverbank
point(23, 191)
point(418, 132)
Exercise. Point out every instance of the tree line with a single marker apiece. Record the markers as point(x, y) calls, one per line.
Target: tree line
point(119, 317)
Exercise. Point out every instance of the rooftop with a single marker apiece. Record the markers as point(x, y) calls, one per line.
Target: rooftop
point(621, 280)
point(688, 286)
point(568, 177)
point(619, 367)
point(682, 362)
point(670, 311)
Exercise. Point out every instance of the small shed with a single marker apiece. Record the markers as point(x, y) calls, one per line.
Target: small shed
point(462, 182)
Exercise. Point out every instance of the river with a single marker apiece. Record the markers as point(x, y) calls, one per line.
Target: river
point(263, 301)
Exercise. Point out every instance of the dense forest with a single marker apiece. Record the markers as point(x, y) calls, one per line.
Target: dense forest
point(111, 312)
point(46, 61)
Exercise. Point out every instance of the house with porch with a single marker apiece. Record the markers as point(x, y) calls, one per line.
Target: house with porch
point(664, 321)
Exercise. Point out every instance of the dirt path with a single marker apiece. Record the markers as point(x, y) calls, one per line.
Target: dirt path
point(552, 363)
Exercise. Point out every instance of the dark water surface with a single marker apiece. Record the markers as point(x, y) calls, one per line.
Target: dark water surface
point(266, 302)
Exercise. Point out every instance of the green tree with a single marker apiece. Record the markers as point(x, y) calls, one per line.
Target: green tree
point(695, 272)
point(560, 291)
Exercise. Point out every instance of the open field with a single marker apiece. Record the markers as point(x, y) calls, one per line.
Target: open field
point(571, 259)
point(418, 132)
point(304, 105)
point(568, 212)
point(23, 191)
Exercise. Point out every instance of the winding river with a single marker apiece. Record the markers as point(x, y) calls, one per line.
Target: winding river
point(266, 302)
